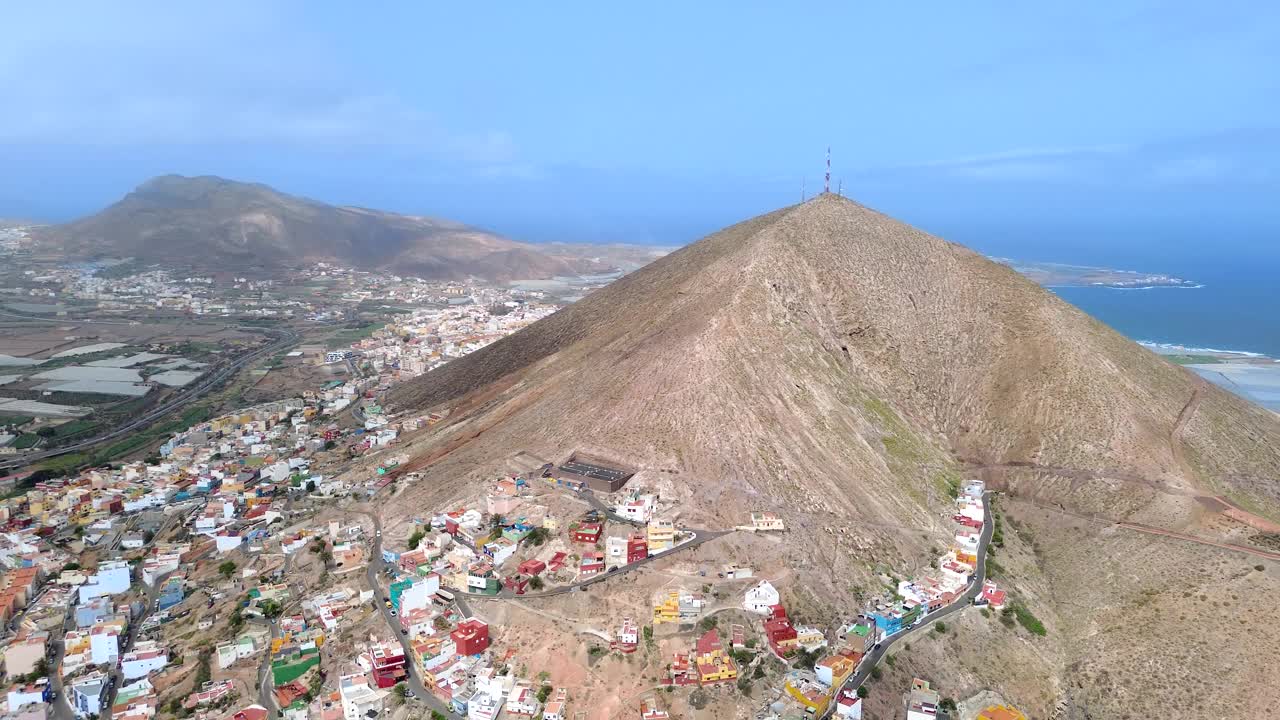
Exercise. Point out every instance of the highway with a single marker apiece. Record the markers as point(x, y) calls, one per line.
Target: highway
point(183, 398)
point(855, 681)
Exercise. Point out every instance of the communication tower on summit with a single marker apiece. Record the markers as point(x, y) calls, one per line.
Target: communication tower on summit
point(826, 183)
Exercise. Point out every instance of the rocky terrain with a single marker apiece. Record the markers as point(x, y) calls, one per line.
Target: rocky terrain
point(209, 223)
point(845, 370)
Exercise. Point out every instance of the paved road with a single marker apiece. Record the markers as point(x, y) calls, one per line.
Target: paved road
point(376, 566)
point(177, 401)
point(873, 658)
point(62, 706)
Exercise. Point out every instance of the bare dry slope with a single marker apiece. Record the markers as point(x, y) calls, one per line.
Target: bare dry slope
point(829, 351)
point(830, 363)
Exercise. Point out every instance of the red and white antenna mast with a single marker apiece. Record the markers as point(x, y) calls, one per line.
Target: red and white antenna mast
point(826, 184)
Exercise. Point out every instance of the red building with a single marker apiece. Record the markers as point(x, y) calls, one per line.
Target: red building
point(532, 567)
point(778, 629)
point(557, 561)
point(588, 533)
point(637, 548)
point(518, 583)
point(386, 664)
point(471, 637)
point(592, 564)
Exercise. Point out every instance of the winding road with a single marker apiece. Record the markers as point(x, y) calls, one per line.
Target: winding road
point(855, 681)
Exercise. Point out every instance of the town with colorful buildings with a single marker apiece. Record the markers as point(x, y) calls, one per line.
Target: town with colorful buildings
point(222, 579)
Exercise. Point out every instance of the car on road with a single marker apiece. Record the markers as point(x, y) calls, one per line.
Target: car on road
point(387, 603)
point(403, 631)
point(393, 613)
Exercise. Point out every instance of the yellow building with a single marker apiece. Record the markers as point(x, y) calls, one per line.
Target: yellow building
point(713, 664)
point(1001, 712)
point(808, 693)
point(667, 609)
point(662, 535)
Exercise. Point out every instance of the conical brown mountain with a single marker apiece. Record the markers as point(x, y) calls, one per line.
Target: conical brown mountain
point(827, 356)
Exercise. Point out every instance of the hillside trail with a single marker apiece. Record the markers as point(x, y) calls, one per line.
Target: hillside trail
point(1211, 502)
point(1147, 529)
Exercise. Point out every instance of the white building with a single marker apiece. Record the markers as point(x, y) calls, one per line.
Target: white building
point(360, 701)
point(226, 542)
point(104, 644)
point(419, 594)
point(144, 659)
point(87, 694)
point(35, 693)
point(523, 701)
point(112, 577)
point(484, 706)
point(761, 598)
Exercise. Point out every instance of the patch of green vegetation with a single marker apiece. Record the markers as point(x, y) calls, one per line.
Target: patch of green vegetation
point(350, 335)
point(1028, 621)
point(284, 672)
point(949, 482)
point(66, 463)
point(1194, 359)
point(14, 420)
point(26, 440)
point(75, 427)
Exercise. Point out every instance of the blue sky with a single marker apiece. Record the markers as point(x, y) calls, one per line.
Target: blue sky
point(654, 122)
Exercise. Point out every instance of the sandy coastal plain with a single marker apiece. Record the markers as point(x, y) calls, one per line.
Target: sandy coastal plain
point(1250, 375)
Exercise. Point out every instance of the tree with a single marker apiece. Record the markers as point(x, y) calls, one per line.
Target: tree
point(536, 583)
point(940, 626)
point(416, 538)
point(537, 536)
point(402, 691)
point(863, 692)
point(311, 486)
point(227, 569)
point(544, 692)
point(46, 432)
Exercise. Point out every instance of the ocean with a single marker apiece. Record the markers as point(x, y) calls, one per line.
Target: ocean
point(1237, 309)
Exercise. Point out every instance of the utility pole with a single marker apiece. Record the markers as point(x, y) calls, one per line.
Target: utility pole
point(803, 195)
point(840, 185)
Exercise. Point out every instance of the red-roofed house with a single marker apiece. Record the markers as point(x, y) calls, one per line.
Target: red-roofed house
point(588, 533)
point(532, 567)
point(995, 598)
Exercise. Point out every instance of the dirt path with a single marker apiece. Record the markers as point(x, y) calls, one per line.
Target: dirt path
point(1150, 530)
point(1180, 425)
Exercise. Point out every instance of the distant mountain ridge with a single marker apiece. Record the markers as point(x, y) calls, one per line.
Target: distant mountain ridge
point(213, 223)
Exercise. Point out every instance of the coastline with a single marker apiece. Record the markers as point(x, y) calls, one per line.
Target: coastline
point(1253, 376)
